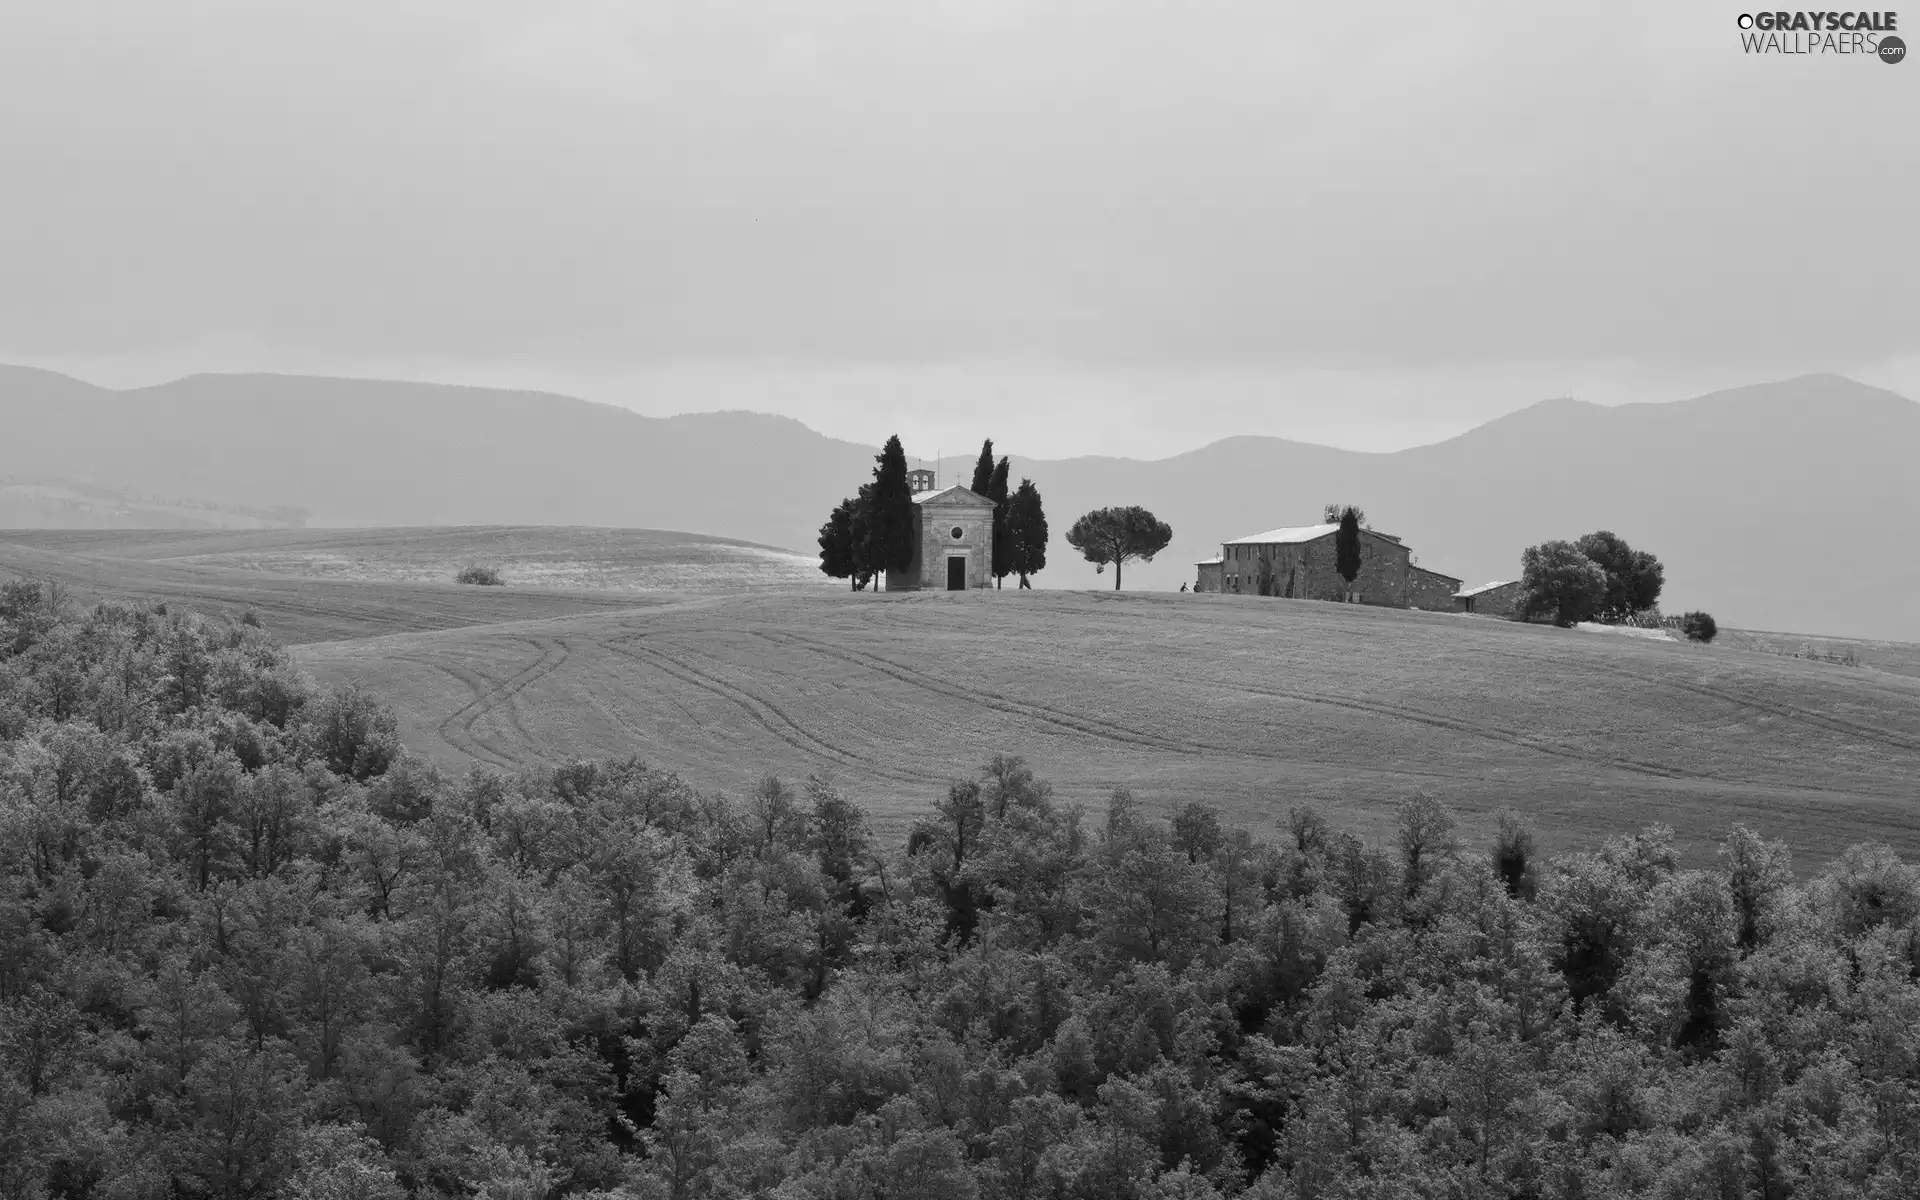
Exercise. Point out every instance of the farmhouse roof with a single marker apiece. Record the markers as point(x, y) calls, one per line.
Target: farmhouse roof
point(1209, 562)
point(1486, 587)
point(1294, 535)
point(953, 495)
point(1434, 573)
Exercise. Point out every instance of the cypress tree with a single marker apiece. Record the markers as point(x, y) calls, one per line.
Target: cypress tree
point(1346, 545)
point(1026, 533)
point(891, 516)
point(1002, 551)
point(983, 470)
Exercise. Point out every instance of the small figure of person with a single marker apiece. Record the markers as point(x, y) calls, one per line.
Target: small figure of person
point(1183, 587)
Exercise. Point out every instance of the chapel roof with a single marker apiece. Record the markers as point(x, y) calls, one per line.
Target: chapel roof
point(953, 495)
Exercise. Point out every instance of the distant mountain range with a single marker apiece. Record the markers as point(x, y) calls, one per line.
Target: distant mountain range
point(1788, 505)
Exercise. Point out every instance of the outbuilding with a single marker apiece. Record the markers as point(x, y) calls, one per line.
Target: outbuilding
point(1500, 598)
point(1211, 574)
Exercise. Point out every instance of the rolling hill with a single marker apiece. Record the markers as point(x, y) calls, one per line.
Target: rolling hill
point(1783, 506)
point(1780, 506)
point(1249, 704)
point(1252, 704)
point(315, 585)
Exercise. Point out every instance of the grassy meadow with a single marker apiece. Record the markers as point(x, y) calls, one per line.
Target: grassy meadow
point(1252, 705)
point(720, 660)
point(314, 585)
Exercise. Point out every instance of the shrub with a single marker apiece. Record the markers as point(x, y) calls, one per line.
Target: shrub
point(483, 576)
point(1698, 626)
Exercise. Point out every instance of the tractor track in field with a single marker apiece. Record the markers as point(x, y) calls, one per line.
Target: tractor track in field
point(1495, 734)
point(561, 651)
point(477, 686)
point(678, 652)
point(1094, 726)
point(602, 705)
point(1041, 713)
point(901, 672)
point(1524, 741)
point(763, 712)
point(1739, 702)
point(1890, 738)
point(1533, 663)
point(906, 674)
point(627, 729)
point(918, 680)
point(490, 696)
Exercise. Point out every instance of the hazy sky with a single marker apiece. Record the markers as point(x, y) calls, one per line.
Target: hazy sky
point(1096, 226)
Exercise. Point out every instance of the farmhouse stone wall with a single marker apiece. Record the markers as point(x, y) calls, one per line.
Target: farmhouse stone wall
point(934, 542)
point(1502, 601)
point(1431, 590)
point(1310, 570)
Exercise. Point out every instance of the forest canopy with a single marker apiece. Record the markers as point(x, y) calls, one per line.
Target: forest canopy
point(250, 947)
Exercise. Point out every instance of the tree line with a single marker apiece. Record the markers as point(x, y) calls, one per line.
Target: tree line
point(872, 531)
point(1599, 578)
point(250, 947)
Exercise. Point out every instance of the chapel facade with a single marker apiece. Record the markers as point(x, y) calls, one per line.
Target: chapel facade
point(952, 539)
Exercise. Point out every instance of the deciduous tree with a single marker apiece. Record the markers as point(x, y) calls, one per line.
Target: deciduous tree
point(1114, 535)
point(230, 969)
point(1558, 581)
point(1634, 577)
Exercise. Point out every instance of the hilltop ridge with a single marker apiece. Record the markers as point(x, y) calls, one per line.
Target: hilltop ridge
point(1773, 505)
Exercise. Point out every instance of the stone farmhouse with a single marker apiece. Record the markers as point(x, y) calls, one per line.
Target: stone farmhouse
point(952, 542)
point(1500, 599)
point(1300, 563)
